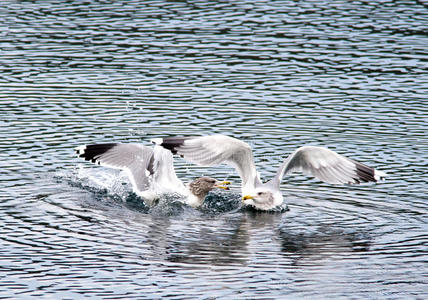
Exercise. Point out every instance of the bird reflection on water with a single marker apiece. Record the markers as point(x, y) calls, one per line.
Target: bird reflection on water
point(304, 247)
point(177, 234)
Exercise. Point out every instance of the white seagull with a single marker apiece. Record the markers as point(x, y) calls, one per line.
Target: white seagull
point(150, 170)
point(320, 162)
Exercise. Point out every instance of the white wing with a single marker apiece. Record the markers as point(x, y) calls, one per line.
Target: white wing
point(214, 150)
point(327, 166)
point(144, 166)
point(164, 177)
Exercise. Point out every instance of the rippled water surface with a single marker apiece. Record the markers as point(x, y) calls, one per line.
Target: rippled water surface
point(352, 76)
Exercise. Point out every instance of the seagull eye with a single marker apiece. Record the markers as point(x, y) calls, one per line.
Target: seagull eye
point(259, 193)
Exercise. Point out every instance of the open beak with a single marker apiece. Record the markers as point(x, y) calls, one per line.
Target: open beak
point(222, 185)
point(246, 197)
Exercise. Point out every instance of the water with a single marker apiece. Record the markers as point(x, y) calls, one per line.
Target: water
point(278, 74)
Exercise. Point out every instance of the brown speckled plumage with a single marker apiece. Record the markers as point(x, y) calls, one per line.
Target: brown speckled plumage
point(201, 186)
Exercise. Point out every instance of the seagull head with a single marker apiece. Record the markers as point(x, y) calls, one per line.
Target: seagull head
point(263, 199)
point(200, 187)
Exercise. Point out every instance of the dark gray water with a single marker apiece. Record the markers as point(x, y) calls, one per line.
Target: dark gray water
point(352, 76)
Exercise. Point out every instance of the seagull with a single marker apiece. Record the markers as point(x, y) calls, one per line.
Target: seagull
point(150, 170)
point(320, 162)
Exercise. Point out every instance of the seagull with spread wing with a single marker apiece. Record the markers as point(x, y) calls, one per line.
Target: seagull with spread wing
point(150, 170)
point(324, 164)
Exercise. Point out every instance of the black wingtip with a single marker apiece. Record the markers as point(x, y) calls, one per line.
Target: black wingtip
point(172, 143)
point(365, 173)
point(91, 152)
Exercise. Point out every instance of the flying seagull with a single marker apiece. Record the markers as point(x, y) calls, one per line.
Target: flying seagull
point(150, 170)
point(324, 164)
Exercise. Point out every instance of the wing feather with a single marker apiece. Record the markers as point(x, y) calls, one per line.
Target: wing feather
point(327, 166)
point(214, 150)
point(135, 159)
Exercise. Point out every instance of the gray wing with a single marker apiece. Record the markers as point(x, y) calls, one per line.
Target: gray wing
point(327, 166)
point(214, 150)
point(137, 160)
point(147, 168)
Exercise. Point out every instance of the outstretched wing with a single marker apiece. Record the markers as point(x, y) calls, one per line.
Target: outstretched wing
point(147, 168)
point(214, 150)
point(135, 159)
point(327, 166)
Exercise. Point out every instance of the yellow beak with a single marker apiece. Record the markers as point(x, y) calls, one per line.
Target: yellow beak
point(246, 197)
point(221, 185)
